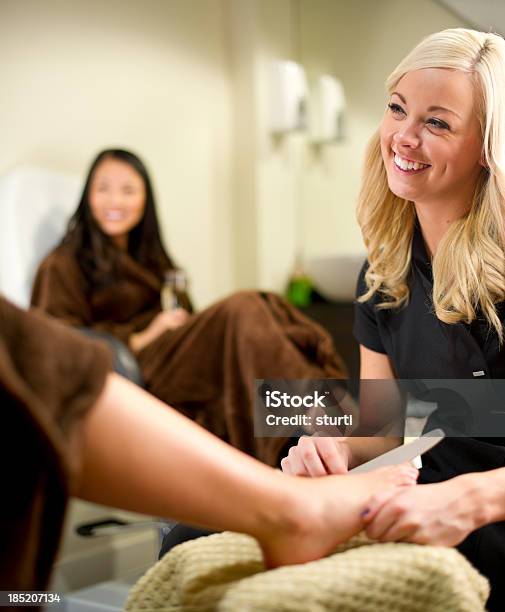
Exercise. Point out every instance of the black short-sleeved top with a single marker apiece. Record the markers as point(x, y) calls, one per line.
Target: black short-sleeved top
point(418, 343)
point(421, 346)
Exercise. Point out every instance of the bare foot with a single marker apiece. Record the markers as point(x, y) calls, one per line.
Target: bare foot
point(330, 512)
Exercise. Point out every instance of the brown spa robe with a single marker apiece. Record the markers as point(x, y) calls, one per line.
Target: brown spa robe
point(206, 368)
point(50, 376)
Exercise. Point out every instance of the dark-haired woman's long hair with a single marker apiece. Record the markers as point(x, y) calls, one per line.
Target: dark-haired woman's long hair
point(95, 252)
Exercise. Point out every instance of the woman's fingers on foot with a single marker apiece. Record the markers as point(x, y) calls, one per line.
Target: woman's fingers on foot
point(292, 464)
point(391, 521)
point(309, 456)
point(317, 456)
point(303, 460)
point(286, 467)
point(331, 455)
point(375, 503)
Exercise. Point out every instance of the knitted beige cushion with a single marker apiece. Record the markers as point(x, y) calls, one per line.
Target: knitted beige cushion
point(225, 572)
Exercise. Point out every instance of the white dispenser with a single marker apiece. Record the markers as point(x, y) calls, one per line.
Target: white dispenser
point(288, 97)
point(327, 107)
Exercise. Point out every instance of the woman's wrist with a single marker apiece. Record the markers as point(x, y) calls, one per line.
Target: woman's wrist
point(137, 341)
point(485, 493)
point(133, 342)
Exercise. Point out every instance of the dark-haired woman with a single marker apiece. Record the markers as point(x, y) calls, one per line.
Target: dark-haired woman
point(107, 275)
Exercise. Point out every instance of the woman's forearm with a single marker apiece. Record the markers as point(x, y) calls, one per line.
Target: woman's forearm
point(141, 455)
point(486, 493)
point(138, 341)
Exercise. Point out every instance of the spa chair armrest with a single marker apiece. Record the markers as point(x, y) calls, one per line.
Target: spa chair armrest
point(124, 362)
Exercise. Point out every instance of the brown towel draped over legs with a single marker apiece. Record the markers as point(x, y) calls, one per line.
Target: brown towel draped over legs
point(207, 368)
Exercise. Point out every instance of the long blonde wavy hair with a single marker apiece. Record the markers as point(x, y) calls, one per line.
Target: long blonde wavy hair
point(469, 264)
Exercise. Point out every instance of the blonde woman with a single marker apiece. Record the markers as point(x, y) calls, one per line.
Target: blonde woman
point(430, 299)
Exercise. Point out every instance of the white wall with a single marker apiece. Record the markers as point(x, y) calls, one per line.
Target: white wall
point(152, 76)
point(268, 170)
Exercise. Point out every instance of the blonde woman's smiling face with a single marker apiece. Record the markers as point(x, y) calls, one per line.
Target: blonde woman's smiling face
point(431, 141)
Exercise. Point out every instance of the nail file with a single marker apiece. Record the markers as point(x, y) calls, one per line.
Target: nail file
point(404, 453)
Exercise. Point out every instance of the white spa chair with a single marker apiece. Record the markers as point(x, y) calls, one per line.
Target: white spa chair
point(35, 206)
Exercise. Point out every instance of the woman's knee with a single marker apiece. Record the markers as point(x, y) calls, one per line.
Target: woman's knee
point(243, 304)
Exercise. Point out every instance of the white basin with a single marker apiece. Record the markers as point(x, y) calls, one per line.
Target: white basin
point(335, 276)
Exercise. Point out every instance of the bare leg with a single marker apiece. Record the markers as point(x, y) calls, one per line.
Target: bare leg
point(141, 455)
